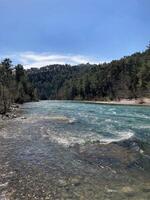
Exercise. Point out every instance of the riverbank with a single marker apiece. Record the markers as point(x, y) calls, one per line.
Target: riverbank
point(137, 102)
point(13, 112)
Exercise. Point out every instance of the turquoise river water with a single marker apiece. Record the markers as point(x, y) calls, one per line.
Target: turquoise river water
point(73, 150)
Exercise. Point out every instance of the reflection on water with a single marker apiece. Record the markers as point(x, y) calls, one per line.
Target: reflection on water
point(65, 150)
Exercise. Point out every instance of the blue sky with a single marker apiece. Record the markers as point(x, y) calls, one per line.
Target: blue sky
point(39, 32)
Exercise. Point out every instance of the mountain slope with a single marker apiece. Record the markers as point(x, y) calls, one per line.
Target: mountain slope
point(128, 77)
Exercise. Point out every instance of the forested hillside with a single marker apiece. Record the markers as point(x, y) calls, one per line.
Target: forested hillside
point(128, 77)
point(50, 79)
point(14, 86)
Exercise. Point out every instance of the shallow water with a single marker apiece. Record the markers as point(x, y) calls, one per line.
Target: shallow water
point(67, 150)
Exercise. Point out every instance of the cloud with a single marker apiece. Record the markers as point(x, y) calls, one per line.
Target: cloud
point(32, 59)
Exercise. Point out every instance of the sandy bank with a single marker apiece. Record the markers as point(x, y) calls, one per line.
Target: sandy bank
point(143, 101)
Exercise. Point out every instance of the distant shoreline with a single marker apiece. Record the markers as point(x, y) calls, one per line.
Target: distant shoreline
point(136, 102)
point(132, 102)
point(125, 102)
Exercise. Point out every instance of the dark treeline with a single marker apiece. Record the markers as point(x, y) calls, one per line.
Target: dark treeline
point(128, 77)
point(50, 80)
point(14, 86)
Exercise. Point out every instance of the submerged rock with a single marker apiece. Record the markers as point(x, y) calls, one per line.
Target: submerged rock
point(75, 181)
point(62, 182)
point(132, 144)
point(146, 188)
point(128, 191)
point(23, 118)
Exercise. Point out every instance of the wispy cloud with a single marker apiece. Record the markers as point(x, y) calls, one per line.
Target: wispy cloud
point(32, 59)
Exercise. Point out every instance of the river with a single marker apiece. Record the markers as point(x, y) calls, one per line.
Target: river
point(73, 150)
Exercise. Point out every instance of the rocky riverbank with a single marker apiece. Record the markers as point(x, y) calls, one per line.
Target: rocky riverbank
point(13, 112)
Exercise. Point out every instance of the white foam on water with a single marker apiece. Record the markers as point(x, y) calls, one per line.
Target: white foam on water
point(137, 115)
point(119, 137)
point(143, 116)
point(36, 118)
point(143, 127)
point(108, 120)
point(72, 120)
point(68, 139)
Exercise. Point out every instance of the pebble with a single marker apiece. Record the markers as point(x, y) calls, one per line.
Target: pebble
point(146, 188)
point(127, 190)
point(75, 181)
point(62, 183)
point(111, 191)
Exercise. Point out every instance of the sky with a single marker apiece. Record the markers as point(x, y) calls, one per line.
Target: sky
point(41, 32)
